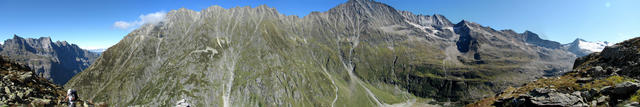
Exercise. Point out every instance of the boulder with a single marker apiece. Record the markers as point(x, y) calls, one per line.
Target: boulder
point(7, 90)
point(584, 80)
point(632, 104)
point(622, 89)
point(597, 71)
point(611, 51)
point(25, 76)
point(557, 99)
point(546, 97)
point(602, 100)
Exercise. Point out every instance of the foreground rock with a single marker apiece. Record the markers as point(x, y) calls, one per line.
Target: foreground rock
point(20, 86)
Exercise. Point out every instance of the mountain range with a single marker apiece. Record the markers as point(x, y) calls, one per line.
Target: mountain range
point(57, 61)
point(359, 53)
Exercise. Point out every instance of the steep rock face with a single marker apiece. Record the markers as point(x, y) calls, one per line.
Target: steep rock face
point(607, 78)
point(56, 61)
point(360, 53)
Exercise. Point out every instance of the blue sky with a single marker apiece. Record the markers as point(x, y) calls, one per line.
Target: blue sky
point(102, 23)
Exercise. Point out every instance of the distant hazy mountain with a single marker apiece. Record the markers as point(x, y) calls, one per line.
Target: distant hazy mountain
point(99, 50)
point(57, 61)
point(581, 47)
point(359, 53)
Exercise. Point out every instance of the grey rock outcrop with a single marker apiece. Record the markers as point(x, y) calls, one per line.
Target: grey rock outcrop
point(551, 97)
point(20, 86)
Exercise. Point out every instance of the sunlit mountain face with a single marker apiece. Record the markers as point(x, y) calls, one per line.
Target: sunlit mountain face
point(319, 53)
point(359, 53)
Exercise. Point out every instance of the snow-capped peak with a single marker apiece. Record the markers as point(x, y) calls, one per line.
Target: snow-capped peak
point(596, 46)
point(582, 44)
point(581, 47)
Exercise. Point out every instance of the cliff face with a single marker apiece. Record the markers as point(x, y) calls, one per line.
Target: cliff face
point(607, 78)
point(56, 61)
point(360, 53)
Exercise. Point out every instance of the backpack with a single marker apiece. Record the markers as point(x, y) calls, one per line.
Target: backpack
point(74, 95)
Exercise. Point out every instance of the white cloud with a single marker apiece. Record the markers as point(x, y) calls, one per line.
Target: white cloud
point(123, 25)
point(151, 18)
point(608, 4)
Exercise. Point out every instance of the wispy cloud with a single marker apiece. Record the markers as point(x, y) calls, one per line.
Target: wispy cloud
point(151, 18)
point(608, 4)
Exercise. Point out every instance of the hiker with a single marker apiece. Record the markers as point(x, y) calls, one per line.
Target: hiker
point(72, 97)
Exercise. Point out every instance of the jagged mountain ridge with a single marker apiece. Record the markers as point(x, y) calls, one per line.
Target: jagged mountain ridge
point(360, 53)
point(57, 61)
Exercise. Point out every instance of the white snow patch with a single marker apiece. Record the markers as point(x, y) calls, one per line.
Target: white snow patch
point(208, 49)
point(593, 46)
point(424, 28)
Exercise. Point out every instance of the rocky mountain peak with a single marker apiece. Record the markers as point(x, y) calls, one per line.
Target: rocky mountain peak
point(582, 47)
point(527, 32)
point(533, 38)
point(17, 37)
point(375, 13)
point(465, 24)
point(578, 40)
point(436, 20)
